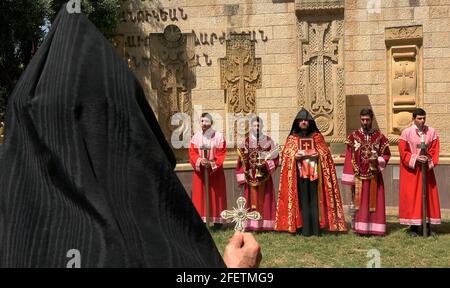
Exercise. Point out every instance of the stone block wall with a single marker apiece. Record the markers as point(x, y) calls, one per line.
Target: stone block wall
point(273, 26)
point(366, 59)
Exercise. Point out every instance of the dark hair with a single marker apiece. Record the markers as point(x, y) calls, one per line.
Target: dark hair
point(207, 115)
point(365, 112)
point(256, 119)
point(418, 112)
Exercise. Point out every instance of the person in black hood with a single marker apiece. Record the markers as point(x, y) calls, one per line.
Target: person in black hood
point(85, 166)
point(304, 124)
point(309, 198)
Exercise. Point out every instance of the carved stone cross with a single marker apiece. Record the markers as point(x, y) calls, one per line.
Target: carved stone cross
point(321, 51)
point(240, 73)
point(404, 75)
point(173, 84)
point(240, 215)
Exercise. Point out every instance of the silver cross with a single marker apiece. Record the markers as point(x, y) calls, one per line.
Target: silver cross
point(240, 215)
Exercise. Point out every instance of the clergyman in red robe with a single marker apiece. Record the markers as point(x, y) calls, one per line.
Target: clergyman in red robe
point(309, 199)
point(410, 202)
point(258, 159)
point(213, 162)
point(366, 156)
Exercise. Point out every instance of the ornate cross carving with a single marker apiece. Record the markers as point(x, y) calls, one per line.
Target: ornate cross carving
point(321, 99)
point(240, 73)
point(404, 75)
point(172, 86)
point(240, 215)
point(173, 66)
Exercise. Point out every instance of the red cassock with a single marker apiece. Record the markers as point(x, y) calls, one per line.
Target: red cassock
point(288, 214)
point(216, 175)
point(258, 190)
point(367, 179)
point(410, 203)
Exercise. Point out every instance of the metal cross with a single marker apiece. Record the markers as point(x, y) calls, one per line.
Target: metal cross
point(240, 215)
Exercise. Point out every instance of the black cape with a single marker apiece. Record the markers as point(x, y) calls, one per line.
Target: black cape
point(85, 165)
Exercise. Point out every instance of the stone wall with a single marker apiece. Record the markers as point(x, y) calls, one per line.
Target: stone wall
point(273, 24)
point(366, 60)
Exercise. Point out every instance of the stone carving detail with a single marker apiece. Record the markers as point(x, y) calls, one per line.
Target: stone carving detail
point(340, 100)
point(404, 82)
point(407, 32)
point(321, 74)
point(301, 87)
point(319, 55)
point(240, 74)
point(308, 5)
point(173, 65)
point(404, 46)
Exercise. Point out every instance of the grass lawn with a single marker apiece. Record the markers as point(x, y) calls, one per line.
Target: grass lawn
point(396, 249)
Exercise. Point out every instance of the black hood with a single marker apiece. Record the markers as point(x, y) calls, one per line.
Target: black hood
point(85, 165)
point(303, 114)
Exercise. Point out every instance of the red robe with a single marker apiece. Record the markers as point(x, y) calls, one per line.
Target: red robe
point(217, 186)
point(369, 198)
point(410, 203)
point(288, 215)
point(259, 192)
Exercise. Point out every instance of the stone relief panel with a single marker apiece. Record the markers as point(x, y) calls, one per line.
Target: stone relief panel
point(314, 5)
point(405, 76)
point(321, 72)
point(172, 61)
point(240, 74)
point(240, 77)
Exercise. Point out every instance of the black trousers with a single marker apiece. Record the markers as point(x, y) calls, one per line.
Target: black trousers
point(307, 195)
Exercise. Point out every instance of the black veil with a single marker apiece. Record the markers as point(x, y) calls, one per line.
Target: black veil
point(85, 165)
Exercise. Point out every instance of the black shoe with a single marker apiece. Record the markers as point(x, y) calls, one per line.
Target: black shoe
point(431, 233)
point(413, 231)
point(217, 226)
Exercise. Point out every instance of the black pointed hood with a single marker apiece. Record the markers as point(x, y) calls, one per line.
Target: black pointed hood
point(85, 165)
point(303, 114)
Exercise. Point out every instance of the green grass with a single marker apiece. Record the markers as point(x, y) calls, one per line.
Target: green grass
point(397, 249)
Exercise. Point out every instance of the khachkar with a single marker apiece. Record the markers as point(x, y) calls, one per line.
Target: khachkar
point(404, 77)
point(173, 76)
point(240, 74)
point(320, 33)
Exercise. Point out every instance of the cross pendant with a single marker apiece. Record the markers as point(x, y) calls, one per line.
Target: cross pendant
point(240, 215)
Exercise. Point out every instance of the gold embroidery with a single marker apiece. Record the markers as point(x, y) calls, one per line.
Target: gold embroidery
point(336, 223)
point(319, 191)
point(247, 180)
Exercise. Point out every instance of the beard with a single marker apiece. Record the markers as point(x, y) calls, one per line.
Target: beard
point(367, 127)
